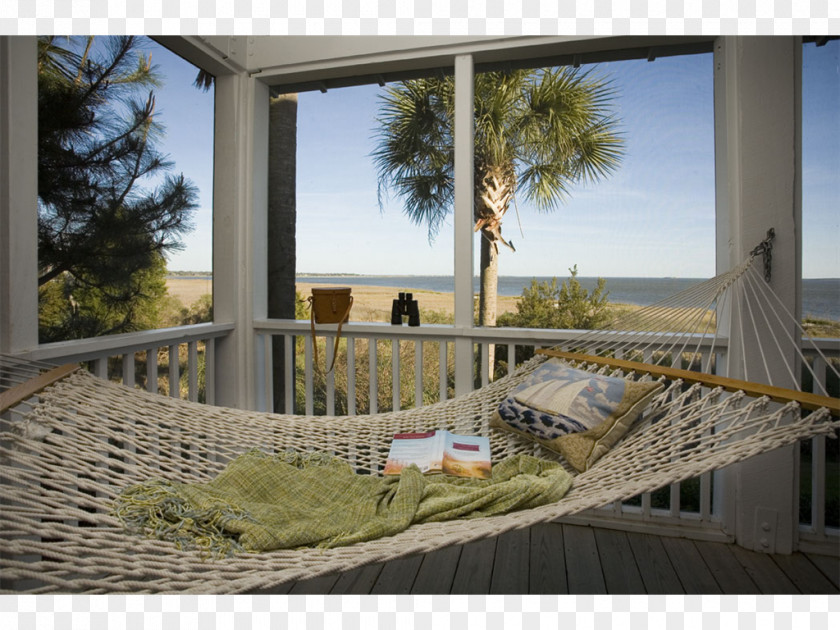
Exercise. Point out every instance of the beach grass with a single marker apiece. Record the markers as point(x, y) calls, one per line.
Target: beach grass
point(188, 290)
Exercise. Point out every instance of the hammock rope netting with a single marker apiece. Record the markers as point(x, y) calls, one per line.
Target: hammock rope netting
point(67, 453)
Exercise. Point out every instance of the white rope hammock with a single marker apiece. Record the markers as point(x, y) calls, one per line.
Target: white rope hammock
point(682, 328)
point(67, 453)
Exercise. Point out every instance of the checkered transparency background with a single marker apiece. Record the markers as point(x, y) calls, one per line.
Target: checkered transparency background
point(419, 612)
point(422, 612)
point(420, 17)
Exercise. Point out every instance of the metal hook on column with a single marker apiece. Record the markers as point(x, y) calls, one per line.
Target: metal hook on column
point(765, 248)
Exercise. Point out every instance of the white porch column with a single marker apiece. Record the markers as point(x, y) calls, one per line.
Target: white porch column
point(463, 220)
point(239, 228)
point(18, 194)
point(758, 167)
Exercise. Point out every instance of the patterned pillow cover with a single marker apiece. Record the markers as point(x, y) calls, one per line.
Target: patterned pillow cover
point(573, 412)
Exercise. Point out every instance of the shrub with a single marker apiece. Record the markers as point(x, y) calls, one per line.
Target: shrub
point(545, 305)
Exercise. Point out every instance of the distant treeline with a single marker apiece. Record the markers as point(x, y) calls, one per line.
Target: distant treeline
point(337, 275)
point(191, 274)
point(209, 274)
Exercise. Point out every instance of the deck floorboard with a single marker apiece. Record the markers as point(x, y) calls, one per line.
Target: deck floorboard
point(358, 581)
point(547, 571)
point(437, 572)
point(654, 564)
point(727, 571)
point(553, 558)
point(802, 572)
point(766, 574)
point(314, 586)
point(830, 567)
point(398, 576)
point(621, 572)
point(475, 568)
point(583, 566)
point(692, 572)
point(510, 568)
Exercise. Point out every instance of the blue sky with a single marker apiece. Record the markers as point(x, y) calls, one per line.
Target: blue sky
point(186, 114)
point(653, 217)
point(821, 161)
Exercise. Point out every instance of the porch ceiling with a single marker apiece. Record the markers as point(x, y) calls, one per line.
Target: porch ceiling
point(305, 63)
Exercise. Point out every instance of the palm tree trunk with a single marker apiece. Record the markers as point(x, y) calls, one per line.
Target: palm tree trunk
point(487, 298)
point(494, 190)
point(489, 278)
point(282, 150)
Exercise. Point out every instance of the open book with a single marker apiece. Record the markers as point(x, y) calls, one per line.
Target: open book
point(440, 452)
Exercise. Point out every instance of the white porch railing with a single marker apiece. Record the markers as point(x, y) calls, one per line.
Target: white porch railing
point(819, 471)
point(184, 349)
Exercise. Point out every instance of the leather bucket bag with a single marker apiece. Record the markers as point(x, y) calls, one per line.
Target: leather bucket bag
point(329, 305)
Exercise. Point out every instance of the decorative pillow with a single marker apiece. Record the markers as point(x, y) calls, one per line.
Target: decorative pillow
point(573, 412)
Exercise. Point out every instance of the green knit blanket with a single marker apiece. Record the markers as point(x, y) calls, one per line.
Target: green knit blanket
point(261, 502)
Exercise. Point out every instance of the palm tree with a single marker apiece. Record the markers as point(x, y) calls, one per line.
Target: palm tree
point(536, 133)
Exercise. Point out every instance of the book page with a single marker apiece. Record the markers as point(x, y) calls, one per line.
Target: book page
point(466, 456)
point(413, 448)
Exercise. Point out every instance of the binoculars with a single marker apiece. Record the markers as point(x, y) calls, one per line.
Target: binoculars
point(405, 306)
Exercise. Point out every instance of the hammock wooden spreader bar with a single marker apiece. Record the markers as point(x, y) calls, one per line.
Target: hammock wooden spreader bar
point(21, 392)
point(779, 394)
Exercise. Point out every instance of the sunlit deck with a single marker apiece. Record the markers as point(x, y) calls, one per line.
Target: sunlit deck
point(564, 559)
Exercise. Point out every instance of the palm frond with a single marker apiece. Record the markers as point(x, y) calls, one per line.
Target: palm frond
point(204, 80)
point(545, 184)
point(566, 132)
point(414, 149)
point(543, 129)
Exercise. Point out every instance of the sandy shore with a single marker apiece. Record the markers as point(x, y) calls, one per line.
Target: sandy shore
point(370, 303)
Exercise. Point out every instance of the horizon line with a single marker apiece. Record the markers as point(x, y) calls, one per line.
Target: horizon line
point(304, 274)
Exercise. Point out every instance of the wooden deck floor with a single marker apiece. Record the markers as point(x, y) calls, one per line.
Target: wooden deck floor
point(571, 559)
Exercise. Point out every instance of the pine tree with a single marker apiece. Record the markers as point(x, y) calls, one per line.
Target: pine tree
point(108, 211)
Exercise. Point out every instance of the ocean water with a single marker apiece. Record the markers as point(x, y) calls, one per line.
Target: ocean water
point(820, 297)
